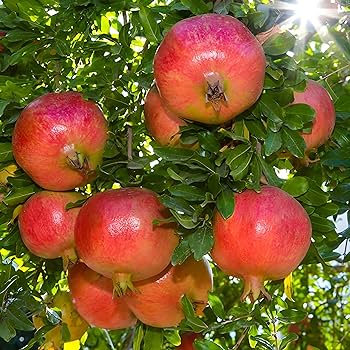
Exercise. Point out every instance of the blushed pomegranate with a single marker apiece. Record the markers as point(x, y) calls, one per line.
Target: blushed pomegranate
point(318, 98)
point(59, 139)
point(157, 300)
point(209, 68)
point(187, 341)
point(266, 238)
point(46, 228)
point(116, 235)
point(93, 298)
point(161, 123)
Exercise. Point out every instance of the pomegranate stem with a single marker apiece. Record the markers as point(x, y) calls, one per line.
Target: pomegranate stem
point(253, 287)
point(69, 257)
point(122, 283)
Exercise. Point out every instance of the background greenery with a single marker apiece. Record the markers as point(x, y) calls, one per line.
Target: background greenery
point(104, 49)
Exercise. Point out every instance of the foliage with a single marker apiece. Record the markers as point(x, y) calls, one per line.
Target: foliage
point(104, 49)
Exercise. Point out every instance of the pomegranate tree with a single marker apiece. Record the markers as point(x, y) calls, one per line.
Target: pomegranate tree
point(323, 124)
point(93, 298)
point(161, 123)
point(157, 300)
point(265, 239)
point(117, 236)
point(209, 68)
point(59, 139)
point(46, 228)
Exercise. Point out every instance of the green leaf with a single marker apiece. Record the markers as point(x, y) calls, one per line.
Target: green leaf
point(173, 154)
point(196, 324)
point(292, 315)
point(293, 142)
point(18, 319)
point(3, 105)
point(138, 337)
point(327, 210)
point(343, 104)
point(287, 340)
point(153, 338)
point(314, 196)
point(269, 172)
point(271, 109)
point(222, 7)
point(181, 253)
point(204, 344)
point(5, 152)
point(19, 195)
point(172, 336)
point(197, 7)
point(214, 185)
point(256, 128)
point(187, 307)
point(236, 153)
point(201, 242)
point(184, 220)
point(225, 203)
point(149, 24)
point(188, 192)
point(296, 186)
point(177, 204)
point(208, 141)
point(241, 166)
point(303, 111)
point(76, 204)
point(217, 306)
point(273, 142)
point(279, 44)
point(264, 343)
point(7, 332)
point(320, 224)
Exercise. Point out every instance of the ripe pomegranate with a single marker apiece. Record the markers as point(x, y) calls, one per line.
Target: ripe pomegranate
point(93, 298)
point(162, 124)
point(209, 68)
point(265, 239)
point(187, 341)
point(157, 300)
point(115, 235)
point(46, 228)
point(323, 124)
point(59, 139)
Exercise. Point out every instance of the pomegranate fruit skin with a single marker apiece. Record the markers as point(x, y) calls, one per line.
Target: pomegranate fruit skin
point(161, 123)
point(209, 68)
point(316, 96)
point(93, 298)
point(115, 234)
point(266, 238)
point(46, 228)
point(59, 140)
point(157, 300)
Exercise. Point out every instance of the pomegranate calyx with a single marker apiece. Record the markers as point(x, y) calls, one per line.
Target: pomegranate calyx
point(69, 257)
point(122, 284)
point(79, 162)
point(253, 287)
point(215, 94)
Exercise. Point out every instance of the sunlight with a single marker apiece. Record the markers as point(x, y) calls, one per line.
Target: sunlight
point(308, 10)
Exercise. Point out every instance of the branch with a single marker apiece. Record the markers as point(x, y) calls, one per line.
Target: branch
point(130, 136)
point(241, 338)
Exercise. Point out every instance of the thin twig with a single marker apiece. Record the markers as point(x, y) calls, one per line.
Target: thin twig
point(109, 339)
point(335, 72)
point(130, 136)
point(241, 338)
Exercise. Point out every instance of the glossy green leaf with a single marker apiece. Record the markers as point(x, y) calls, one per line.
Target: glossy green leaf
point(217, 306)
point(279, 43)
point(5, 152)
point(197, 7)
point(293, 315)
point(293, 142)
point(287, 340)
point(271, 109)
point(188, 192)
point(296, 186)
point(138, 337)
point(273, 142)
point(181, 253)
point(201, 241)
point(208, 141)
point(149, 24)
point(153, 338)
point(204, 344)
point(225, 203)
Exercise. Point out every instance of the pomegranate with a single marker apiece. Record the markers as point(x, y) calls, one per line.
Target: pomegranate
point(93, 298)
point(187, 341)
point(265, 239)
point(115, 235)
point(157, 300)
point(46, 228)
point(209, 68)
point(323, 124)
point(59, 139)
point(162, 124)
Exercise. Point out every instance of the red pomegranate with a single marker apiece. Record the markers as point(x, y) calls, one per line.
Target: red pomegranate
point(116, 235)
point(265, 239)
point(59, 139)
point(46, 228)
point(157, 300)
point(323, 124)
point(209, 68)
point(161, 123)
point(187, 341)
point(93, 298)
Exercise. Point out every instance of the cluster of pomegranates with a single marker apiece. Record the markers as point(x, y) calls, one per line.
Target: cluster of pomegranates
point(208, 69)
